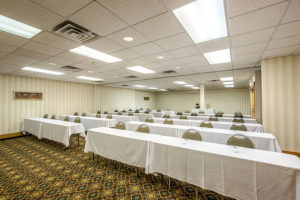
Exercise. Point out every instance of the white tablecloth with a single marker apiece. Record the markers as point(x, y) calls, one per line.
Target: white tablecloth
point(224, 115)
point(175, 121)
point(143, 116)
point(120, 118)
point(262, 141)
point(157, 114)
point(169, 112)
point(221, 119)
point(92, 122)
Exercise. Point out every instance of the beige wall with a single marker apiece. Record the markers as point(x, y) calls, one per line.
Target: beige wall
point(141, 103)
point(281, 100)
point(226, 100)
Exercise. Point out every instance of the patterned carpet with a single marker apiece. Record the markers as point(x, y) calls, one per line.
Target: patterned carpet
point(42, 169)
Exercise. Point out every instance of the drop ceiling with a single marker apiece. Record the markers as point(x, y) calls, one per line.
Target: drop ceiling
point(257, 29)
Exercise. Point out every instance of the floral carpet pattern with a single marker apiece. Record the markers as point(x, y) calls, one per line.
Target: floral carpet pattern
point(43, 169)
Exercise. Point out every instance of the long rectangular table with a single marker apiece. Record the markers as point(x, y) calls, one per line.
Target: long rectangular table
point(233, 171)
point(224, 115)
point(56, 130)
point(262, 141)
point(118, 118)
point(221, 119)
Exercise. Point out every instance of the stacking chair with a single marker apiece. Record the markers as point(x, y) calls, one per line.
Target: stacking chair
point(98, 112)
point(45, 116)
point(143, 128)
point(238, 120)
point(75, 113)
point(194, 114)
point(124, 111)
point(166, 116)
point(146, 111)
point(183, 117)
point(137, 111)
point(116, 110)
point(179, 113)
point(192, 134)
point(105, 112)
point(77, 120)
point(109, 117)
point(66, 119)
point(213, 119)
point(130, 110)
point(120, 125)
point(219, 114)
point(158, 110)
point(206, 125)
point(130, 114)
point(149, 120)
point(241, 141)
point(83, 114)
point(238, 127)
point(168, 121)
point(98, 115)
point(119, 113)
point(53, 116)
point(238, 114)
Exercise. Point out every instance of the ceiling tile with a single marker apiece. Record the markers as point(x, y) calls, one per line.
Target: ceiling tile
point(18, 60)
point(7, 48)
point(140, 60)
point(175, 41)
point(297, 51)
point(192, 59)
point(173, 4)
point(31, 54)
point(288, 29)
point(7, 68)
point(42, 48)
point(125, 54)
point(259, 47)
point(158, 27)
point(214, 45)
point(284, 42)
point(2, 53)
point(223, 67)
point(134, 11)
point(256, 20)
point(183, 52)
point(72, 56)
point(246, 58)
point(94, 12)
point(146, 49)
point(280, 51)
point(242, 66)
point(10, 39)
point(165, 55)
point(104, 45)
point(292, 13)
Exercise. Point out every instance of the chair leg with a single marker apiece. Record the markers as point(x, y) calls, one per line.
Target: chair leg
point(169, 183)
point(196, 193)
point(78, 140)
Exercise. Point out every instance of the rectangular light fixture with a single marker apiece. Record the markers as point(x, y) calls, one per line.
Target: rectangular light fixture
point(230, 78)
point(204, 20)
point(195, 88)
point(42, 71)
point(139, 86)
point(189, 85)
point(152, 88)
point(228, 83)
point(89, 78)
point(17, 28)
point(163, 90)
point(229, 86)
point(92, 53)
point(217, 57)
point(180, 82)
point(140, 69)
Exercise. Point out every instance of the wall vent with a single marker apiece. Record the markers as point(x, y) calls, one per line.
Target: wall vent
point(70, 68)
point(131, 76)
point(75, 32)
point(169, 72)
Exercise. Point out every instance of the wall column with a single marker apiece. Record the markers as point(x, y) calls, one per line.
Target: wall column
point(202, 96)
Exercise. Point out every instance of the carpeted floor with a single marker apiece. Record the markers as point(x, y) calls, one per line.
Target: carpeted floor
point(42, 169)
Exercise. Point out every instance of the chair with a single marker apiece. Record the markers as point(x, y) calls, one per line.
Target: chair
point(98, 116)
point(192, 134)
point(109, 117)
point(124, 111)
point(116, 110)
point(241, 141)
point(77, 120)
point(213, 119)
point(194, 114)
point(119, 113)
point(105, 112)
point(206, 125)
point(183, 117)
point(141, 108)
point(143, 128)
point(75, 113)
point(83, 114)
point(238, 127)
point(130, 114)
point(130, 110)
point(168, 121)
point(66, 119)
point(137, 111)
point(219, 114)
point(45, 116)
point(146, 111)
point(158, 110)
point(238, 115)
point(238, 120)
point(98, 112)
point(120, 125)
point(179, 113)
point(166, 116)
point(53, 116)
point(149, 120)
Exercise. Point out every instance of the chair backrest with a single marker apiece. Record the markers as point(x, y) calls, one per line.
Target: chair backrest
point(183, 117)
point(166, 116)
point(53, 116)
point(123, 110)
point(116, 110)
point(98, 112)
point(45, 116)
point(146, 111)
point(158, 110)
point(149, 120)
point(119, 113)
point(83, 114)
point(130, 110)
point(206, 125)
point(130, 114)
point(192, 134)
point(105, 112)
point(76, 113)
point(179, 113)
point(238, 127)
point(98, 115)
point(137, 111)
point(109, 117)
point(120, 125)
point(143, 128)
point(77, 120)
point(194, 114)
point(213, 119)
point(238, 120)
point(241, 141)
point(168, 121)
point(66, 119)
point(238, 116)
point(219, 114)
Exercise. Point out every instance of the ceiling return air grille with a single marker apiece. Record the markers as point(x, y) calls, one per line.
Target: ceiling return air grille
point(75, 32)
point(169, 72)
point(131, 76)
point(70, 68)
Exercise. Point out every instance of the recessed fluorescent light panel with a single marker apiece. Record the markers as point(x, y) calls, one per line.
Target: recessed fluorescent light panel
point(195, 88)
point(203, 19)
point(229, 86)
point(228, 83)
point(230, 78)
point(42, 71)
point(180, 82)
point(140, 86)
point(189, 85)
point(152, 88)
point(217, 57)
point(140, 69)
point(163, 90)
point(17, 28)
point(92, 53)
point(89, 78)
point(128, 39)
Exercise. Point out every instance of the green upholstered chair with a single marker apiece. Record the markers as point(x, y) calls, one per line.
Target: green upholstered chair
point(149, 120)
point(238, 127)
point(109, 117)
point(146, 111)
point(206, 125)
point(83, 114)
point(168, 121)
point(116, 110)
point(67, 119)
point(219, 114)
point(187, 111)
point(238, 115)
point(98, 112)
point(130, 114)
point(137, 111)
point(183, 117)
point(158, 110)
point(120, 125)
point(130, 110)
point(124, 111)
point(166, 116)
point(192, 134)
point(45, 116)
point(194, 114)
point(238, 120)
point(98, 116)
point(119, 113)
point(105, 112)
point(241, 141)
point(143, 128)
point(179, 113)
point(76, 113)
point(77, 120)
point(215, 119)
point(53, 116)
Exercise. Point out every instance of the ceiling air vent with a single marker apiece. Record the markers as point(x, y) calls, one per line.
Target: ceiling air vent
point(132, 76)
point(71, 68)
point(74, 32)
point(169, 72)
point(124, 85)
point(214, 80)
